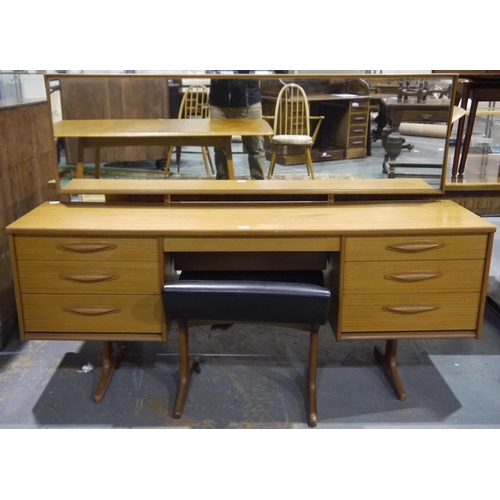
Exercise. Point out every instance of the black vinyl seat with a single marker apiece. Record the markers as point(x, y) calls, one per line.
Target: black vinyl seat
point(296, 299)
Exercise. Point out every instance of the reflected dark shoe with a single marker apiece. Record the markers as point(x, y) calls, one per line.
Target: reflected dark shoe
point(222, 326)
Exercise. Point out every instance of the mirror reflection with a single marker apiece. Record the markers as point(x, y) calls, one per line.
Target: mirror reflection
point(362, 126)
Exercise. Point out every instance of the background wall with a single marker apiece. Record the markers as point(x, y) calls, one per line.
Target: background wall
point(26, 166)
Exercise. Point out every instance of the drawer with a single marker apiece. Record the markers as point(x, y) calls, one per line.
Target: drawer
point(357, 131)
point(358, 119)
point(357, 142)
point(268, 244)
point(92, 313)
point(357, 106)
point(416, 115)
point(410, 312)
point(117, 249)
point(414, 248)
point(99, 277)
point(413, 276)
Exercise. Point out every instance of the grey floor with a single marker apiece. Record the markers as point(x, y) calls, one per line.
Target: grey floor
point(255, 377)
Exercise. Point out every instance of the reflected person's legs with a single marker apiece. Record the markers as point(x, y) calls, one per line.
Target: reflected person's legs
point(254, 145)
point(219, 152)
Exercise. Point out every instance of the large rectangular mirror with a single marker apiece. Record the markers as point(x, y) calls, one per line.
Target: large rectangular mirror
point(372, 126)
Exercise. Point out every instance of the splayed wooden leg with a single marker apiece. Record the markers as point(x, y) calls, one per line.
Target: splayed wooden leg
point(388, 361)
point(111, 355)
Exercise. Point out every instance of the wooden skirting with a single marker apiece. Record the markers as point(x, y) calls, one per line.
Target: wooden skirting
point(481, 203)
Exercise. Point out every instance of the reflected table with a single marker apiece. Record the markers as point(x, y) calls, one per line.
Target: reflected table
point(477, 88)
point(172, 132)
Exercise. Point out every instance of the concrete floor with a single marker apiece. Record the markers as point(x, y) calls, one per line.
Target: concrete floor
point(450, 383)
point(255, 377)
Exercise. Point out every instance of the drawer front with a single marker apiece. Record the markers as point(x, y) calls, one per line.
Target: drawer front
point(117, 249)
point(410, 248)
point(357, 142)
point(99, 277)
point(358, 119)
point(410, 312)
point(413, 276)
point(425, 115)
point(357, 131)
point(92, 313)
point(186, 244)
point(358, 106)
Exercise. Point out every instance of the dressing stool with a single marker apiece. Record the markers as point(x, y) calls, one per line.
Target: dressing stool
point(294, 299)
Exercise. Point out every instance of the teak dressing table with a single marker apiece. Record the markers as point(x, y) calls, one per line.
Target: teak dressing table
point(397, 269)
point(401, 262)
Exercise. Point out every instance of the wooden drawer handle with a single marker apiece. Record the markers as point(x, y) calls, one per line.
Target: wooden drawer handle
point(86, 247)
point(409, 309)
point(416, 246)
point(414, 276)
point(357, 142)
point(359, 118)
point(91, 310)
point(358, 131)
point(88, 278)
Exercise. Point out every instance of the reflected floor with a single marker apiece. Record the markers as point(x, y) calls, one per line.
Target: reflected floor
point(425, 151)
point(481, 168)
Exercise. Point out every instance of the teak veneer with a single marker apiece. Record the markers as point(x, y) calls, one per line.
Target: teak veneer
point(93, 271)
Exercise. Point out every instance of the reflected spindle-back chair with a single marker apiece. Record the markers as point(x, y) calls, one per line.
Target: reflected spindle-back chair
point(292, 124)
point(194, 104)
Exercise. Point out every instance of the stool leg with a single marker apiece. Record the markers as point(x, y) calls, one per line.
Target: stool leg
point(313, 363)
point(388, 361)
point(186, 368)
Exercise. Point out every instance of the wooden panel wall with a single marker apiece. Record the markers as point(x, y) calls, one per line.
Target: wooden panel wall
point(26, 166)
point(115, 98)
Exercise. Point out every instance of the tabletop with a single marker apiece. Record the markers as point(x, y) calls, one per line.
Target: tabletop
point(321, 97)
point(161, 128)
point(248, 220)
point(411, 102)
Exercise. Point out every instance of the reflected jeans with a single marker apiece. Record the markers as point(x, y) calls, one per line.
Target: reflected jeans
point(253, 146)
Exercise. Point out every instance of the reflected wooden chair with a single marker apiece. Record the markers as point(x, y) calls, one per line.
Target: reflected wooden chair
point(292, 125)
point(295, 299)
point(194, 105)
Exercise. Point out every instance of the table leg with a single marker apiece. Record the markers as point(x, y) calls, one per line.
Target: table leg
point(468, 133)
point(111, 355)
point(460, 131)
point(388, 361)
point(229, 158)
point(79, 160)
point(97, 172)
point(178, 150)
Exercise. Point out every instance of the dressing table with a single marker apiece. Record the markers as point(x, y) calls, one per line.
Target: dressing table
point(402, 262)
